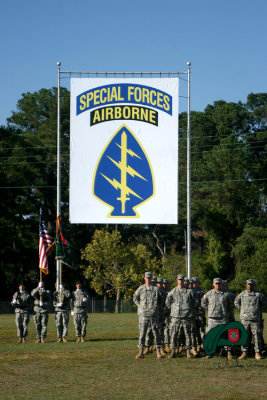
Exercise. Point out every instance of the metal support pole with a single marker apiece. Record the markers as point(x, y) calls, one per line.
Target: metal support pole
point(58, 164)
point(188, 178)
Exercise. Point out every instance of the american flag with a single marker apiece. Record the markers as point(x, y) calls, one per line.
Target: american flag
point(45, 246)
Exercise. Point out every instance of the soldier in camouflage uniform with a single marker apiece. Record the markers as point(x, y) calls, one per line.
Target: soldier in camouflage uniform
point(218, 303)
point(42, 301)
point(200, 315)
point(181, 301)
point(79, 301)
point(22, 302)
point(250, 303)
point(149, 341)
point(148, 298)
point(61, 302)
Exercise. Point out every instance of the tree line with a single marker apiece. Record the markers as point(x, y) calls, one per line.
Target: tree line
point(229, 209)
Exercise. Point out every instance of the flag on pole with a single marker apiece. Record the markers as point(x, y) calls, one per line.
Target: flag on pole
point(62, 246)
point(63, 250)
point(45, 246)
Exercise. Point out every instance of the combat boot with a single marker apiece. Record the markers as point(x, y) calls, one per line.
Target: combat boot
point(59, 340)
point(65, 340)
point(193, 351)
point(82, 339)
point(158, 352)
point(146, 351)
point(78, 339)
point(140, 355)
point(258, 356)
point(243, 356)
point(229, 355)
point(173, 354)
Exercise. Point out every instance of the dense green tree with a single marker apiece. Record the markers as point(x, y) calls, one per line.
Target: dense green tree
point(113, 267)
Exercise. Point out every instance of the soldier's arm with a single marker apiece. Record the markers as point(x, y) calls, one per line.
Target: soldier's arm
point(14, 299)
point(136, 297)
point(237, 302)
point(168, 300)
point(35, 293)
point(205, 301)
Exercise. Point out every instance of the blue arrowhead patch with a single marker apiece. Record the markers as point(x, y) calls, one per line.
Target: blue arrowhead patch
point(123, 176)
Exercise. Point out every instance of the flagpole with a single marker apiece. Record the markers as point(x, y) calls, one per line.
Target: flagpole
point(188, 177)
point(60, 282)
point(58, 166)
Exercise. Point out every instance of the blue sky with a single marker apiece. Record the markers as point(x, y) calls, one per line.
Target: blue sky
point(226, 42)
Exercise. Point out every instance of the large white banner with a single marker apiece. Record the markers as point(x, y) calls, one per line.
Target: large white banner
point(124, 150)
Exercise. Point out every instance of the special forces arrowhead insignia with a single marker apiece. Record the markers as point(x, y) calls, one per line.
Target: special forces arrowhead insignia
point(123, 176)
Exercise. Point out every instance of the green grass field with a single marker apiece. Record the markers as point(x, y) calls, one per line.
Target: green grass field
point(104, 367)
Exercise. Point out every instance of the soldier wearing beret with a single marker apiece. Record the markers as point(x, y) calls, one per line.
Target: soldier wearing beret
point(250, 303)
point(22, 302)
point(148, 298)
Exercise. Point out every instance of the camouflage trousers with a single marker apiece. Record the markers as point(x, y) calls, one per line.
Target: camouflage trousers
point(22, 321)
point(253, 328)
point(62, 322)
point(144, 324)
point(212, 322)
point(80, 322)
point(178, 327)
point(41, 320)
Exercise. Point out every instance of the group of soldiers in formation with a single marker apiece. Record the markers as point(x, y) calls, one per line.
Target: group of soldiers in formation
point(38, 304)
point(173, 320)
point(169, 320)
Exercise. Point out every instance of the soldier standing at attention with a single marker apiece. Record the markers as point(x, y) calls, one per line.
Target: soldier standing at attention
point(218, 303)
point(181, 301)
point(61, 302)
point(250, 303)
point(79, 301)
point(148, 298)
point(42, 301)
point(23, 307)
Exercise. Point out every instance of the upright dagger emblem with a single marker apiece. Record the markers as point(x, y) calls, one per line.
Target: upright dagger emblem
point(123, 176)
